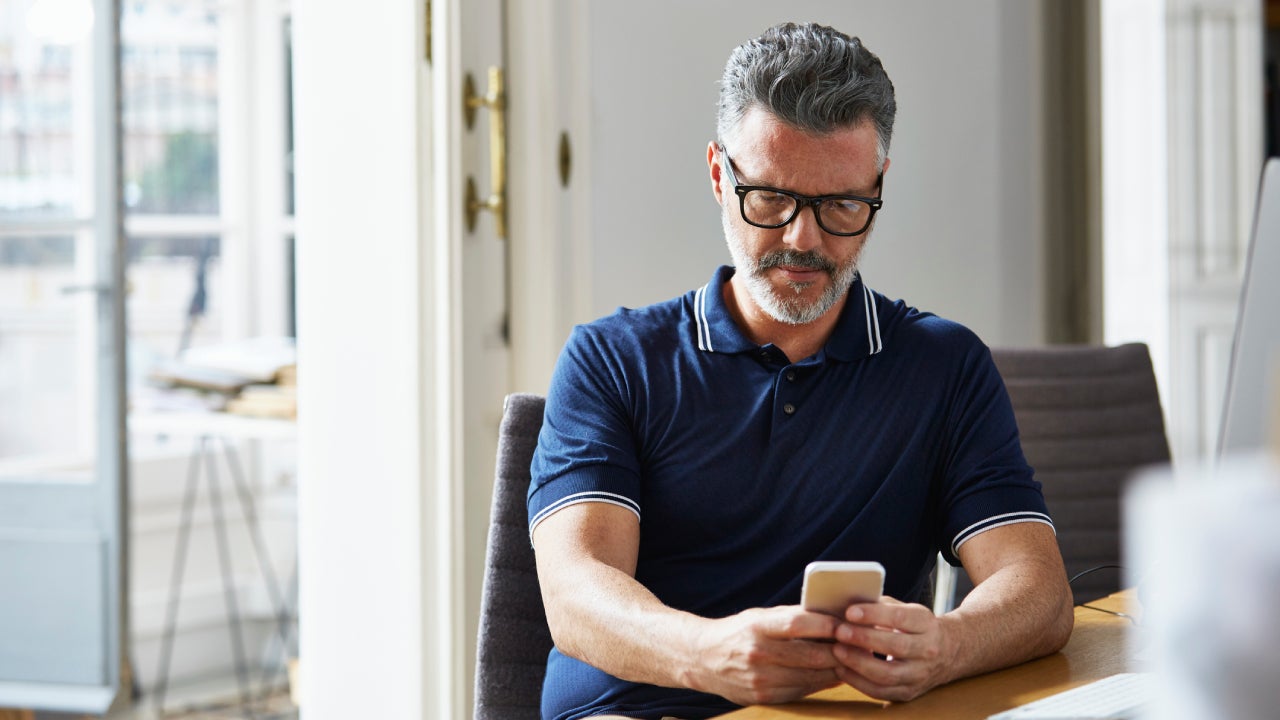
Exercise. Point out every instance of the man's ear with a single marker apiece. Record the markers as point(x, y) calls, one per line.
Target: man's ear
point(713, 166)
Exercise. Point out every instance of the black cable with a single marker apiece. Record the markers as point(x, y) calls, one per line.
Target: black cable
point(1096, 568)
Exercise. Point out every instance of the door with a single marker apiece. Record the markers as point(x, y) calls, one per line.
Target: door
point(485, 243)
point(62, 446)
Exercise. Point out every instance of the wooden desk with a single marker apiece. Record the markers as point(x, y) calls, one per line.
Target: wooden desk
point(1096, 650)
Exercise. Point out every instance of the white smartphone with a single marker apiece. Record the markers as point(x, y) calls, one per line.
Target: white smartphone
point(831, 586)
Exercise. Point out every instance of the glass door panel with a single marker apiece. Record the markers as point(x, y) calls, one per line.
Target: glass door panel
point(61, 357)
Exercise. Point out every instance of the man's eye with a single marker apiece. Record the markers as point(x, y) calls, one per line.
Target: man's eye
point(768, 198)
point(845, 208)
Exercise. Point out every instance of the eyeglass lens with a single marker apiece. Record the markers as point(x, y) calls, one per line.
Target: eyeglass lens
point(835, 215)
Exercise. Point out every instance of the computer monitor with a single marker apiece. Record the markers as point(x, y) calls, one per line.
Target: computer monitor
point(1248, 410)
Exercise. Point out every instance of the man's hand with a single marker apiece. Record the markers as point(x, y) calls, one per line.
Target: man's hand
point(600, 614)
point(766, 655)
point(1019, 609)
point(909, 640)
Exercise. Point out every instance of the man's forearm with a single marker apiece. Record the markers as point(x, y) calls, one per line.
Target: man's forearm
point(600, 614)
point(1021, 612)
point(604, 617)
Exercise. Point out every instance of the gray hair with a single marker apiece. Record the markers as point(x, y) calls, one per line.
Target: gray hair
point(812, 77)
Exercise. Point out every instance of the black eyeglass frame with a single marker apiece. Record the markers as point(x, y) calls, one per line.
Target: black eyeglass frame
point(814, 201)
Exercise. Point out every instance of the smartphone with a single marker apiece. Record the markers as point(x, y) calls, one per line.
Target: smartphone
point(831, 586)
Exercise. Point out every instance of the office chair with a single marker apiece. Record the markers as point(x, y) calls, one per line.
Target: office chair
point(1088, 416)
point(514, 640)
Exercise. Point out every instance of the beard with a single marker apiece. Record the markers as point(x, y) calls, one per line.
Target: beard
point(792, 308)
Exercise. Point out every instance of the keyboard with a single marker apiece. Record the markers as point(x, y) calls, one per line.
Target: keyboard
point(1118, 696)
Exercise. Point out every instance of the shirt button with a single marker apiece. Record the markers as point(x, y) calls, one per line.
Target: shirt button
point(789, 409)
point(791, 375)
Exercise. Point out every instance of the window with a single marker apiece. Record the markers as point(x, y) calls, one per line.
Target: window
point(207, 199)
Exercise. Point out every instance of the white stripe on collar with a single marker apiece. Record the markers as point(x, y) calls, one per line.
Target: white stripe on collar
point(873, 321)
point(700, 316)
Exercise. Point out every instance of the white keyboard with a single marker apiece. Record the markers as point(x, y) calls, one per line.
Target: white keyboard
point(1118, 696)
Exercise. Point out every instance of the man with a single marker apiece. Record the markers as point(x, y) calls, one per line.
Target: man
point(781, 414)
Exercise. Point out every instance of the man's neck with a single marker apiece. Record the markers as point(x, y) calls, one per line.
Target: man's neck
point(797, 341)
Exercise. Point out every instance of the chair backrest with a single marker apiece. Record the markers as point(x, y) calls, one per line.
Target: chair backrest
point(511, 653)
point(1088, 417)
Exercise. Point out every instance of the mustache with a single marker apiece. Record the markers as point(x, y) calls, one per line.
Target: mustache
point(795, 258)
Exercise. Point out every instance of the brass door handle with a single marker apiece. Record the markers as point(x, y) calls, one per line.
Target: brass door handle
point(496, 102)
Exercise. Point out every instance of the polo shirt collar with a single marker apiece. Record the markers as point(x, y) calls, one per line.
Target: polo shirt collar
point(856, 335)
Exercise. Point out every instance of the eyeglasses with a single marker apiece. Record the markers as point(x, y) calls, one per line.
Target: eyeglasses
point(769, 207)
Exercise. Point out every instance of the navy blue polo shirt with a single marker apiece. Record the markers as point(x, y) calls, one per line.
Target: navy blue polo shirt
point(893, 442)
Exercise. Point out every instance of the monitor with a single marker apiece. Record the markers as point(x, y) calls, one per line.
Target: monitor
point(1249, 408)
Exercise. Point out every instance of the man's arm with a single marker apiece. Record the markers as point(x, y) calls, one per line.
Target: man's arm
point(1019, 609)
point(600, 614)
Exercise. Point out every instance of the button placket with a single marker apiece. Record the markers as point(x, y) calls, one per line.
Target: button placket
point(786, 389)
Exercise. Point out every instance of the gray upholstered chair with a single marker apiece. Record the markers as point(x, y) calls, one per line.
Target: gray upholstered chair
point(1088, 417)
point(511, 653)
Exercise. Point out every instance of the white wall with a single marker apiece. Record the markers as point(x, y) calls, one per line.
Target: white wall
point(366, 585)
point(961, 231)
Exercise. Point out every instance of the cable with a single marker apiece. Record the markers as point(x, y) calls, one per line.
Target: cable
point(1117, 613)
point(1094, 569)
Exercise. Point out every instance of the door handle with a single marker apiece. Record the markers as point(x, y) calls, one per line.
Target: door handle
point(97, 289)
point(495, 100)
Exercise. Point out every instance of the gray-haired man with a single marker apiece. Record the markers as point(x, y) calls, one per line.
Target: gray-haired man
point(783, 413)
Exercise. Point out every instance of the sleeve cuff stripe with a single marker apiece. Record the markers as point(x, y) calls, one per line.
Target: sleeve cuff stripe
point(590, 496)
point(998, 521)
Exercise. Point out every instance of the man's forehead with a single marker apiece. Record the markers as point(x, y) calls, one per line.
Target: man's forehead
point(769, 150)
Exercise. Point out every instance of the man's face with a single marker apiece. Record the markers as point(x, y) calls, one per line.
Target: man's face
point(795, 273)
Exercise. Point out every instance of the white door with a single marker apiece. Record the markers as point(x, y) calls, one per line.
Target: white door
point(61, 358)
point(487, 237)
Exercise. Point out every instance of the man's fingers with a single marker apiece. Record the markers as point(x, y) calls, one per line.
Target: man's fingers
point(884, 691)
point(891, 613)
point(803, 654)
point(792, 687)
point(880, 671)
point(886, 642)
point(793, 622)
point(805, 681)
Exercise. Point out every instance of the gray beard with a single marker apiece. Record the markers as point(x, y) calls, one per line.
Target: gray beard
point(792, 310)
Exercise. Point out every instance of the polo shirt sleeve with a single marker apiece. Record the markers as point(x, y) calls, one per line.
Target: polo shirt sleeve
point(987, 482)
point(586, 449)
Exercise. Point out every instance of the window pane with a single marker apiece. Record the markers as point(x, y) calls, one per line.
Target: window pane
point(39, 106)
point(173, 300)
point(45, 383)
point(169, 69)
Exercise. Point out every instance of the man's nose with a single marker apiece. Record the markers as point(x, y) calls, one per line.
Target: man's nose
point(803, 233)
